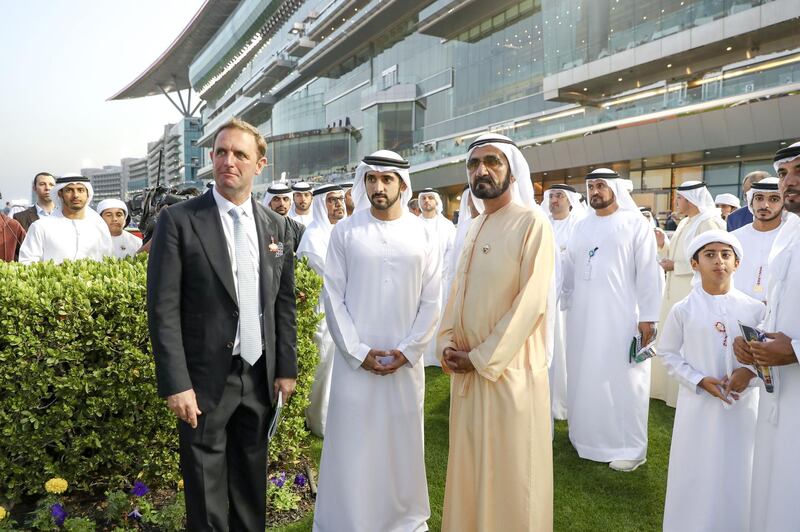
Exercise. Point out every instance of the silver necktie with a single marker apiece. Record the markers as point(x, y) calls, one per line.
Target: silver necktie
point(249, 327)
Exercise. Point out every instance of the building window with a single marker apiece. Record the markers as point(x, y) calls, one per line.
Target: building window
point(389, 77)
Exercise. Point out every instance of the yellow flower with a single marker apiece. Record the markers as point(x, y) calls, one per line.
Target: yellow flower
point(56, 485)
point(3, 513)
point(180, 485)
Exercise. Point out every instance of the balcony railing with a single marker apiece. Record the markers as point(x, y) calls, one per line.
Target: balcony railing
point(726, 88)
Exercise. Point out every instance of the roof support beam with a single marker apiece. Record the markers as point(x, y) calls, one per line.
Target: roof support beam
point(183, 105)
point(183, 108)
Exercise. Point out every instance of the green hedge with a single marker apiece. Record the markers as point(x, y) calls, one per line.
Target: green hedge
point(77, 384)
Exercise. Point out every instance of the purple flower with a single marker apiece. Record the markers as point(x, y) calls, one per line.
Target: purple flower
point(135, 514)
point(279, 480)
point(300, 480)
point(139, 489)
point(58, 513)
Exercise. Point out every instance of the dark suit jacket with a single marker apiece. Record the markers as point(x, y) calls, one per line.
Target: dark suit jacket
point(739, 218)
point(192, 309)
point(27, 217)
point(297, 229)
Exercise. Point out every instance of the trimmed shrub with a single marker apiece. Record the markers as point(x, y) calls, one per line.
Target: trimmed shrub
point(292, 439)
point(77, 380)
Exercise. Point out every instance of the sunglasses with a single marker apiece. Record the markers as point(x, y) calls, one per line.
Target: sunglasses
point(492, 162)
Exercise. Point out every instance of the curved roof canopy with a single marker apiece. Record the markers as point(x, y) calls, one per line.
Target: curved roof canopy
point(170, 72)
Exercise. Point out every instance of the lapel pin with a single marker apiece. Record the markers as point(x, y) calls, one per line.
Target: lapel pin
point(276, 249)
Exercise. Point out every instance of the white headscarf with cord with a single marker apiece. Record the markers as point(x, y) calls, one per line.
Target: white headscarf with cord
point(698, 195)
point(767, 185)
point(380, 161)
point(522, 187)
point(90, 215)
point(431, 192)
point(573, 196)
point(618, 186)
point(76, 179)
point(786, 155)
point(277, 188)
point(318, 233)
point(300, 186)
point(464, 222)
point(522, 194)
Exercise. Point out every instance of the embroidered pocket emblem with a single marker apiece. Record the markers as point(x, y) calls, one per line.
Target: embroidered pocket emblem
point(486, 248)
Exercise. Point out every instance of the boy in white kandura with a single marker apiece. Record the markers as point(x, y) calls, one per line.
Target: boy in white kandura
point(711, 458)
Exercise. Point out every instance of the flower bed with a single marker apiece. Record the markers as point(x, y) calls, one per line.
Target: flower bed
point(77, 385)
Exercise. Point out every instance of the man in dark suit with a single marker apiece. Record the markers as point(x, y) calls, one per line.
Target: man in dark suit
point(221, 312)
point(43, 182)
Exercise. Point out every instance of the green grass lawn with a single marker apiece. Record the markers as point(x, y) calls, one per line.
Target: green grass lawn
point(588, 495)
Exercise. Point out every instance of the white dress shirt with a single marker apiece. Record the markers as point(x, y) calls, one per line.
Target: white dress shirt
point(41, 212)
point(248, 219)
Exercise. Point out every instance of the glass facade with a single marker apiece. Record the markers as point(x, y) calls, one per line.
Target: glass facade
point(580, 31)
point(426, 96)
point(308, 154)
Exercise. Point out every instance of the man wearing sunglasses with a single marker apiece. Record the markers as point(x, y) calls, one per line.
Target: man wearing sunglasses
point(493, 340)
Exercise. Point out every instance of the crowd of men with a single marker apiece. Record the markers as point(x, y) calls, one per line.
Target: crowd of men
point(61, 225)
point(536, 312)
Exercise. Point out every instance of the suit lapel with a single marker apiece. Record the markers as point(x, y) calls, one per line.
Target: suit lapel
point(265, 230)
point(208, 227)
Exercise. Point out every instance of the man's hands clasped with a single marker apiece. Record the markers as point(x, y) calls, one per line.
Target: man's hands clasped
point(457, 361)
point(381, 362)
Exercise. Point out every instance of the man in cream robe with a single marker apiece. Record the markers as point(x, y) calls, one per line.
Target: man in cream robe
point(776, 469)
point(328, 209)
point(611, 291)
point(765, 202)
point(493, 339)
point(566, 210)
point(694, 201)
point(382, 302)
point(431, 207)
